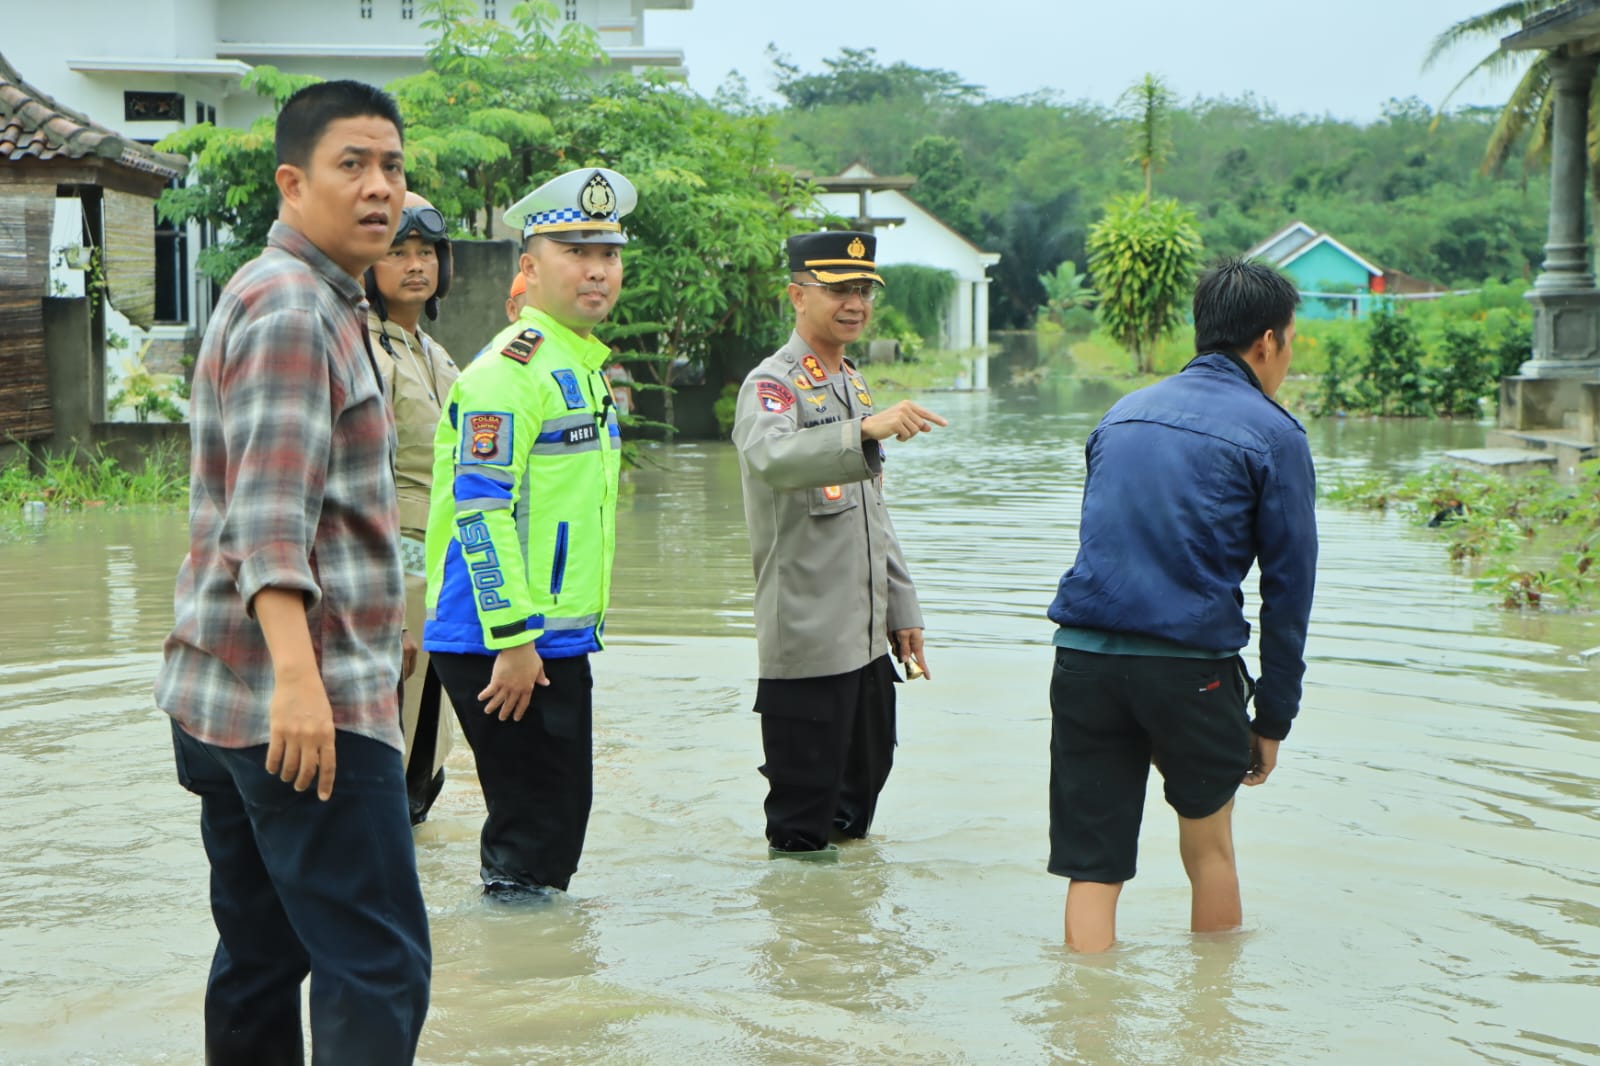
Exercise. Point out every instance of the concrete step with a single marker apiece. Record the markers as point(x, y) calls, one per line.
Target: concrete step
point(1510, 462)
point(1540, 440)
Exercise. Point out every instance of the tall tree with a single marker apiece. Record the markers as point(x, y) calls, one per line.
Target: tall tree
point(1143, 255)
point(1147, 108)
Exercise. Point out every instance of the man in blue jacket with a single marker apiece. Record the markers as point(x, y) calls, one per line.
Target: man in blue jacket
point(1189, 482)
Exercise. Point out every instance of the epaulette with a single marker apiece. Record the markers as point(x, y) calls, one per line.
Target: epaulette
point(523, 345)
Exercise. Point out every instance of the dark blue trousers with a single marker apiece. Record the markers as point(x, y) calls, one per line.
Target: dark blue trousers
point(300, 886)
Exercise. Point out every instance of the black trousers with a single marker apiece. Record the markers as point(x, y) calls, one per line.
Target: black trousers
point(829, 747)
point(422, 783)
point(537, 775)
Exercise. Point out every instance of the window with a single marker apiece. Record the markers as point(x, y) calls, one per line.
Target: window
point(572, 10)
point(204, 113)
point(172, 269)
point(152, 107)
point(365, 8)
point(488, 9)
point(408, 10)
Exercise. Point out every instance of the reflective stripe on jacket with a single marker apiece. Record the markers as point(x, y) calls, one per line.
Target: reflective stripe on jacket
point(522, 526)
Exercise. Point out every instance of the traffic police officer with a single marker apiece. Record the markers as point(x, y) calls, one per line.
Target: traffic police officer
point(522, 532)
point(833, 595)
point(417, 374)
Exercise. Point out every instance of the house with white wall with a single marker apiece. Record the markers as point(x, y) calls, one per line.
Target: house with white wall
point(911, 235)
point(150, 67)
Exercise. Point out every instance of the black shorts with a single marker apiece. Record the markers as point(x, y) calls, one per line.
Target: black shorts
point(1111, 716)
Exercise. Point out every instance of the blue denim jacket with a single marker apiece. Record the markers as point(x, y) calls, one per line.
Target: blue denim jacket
point(1191, 481)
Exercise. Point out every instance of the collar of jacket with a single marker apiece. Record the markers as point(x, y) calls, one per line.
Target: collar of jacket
point(592, 353)
point(1220, 361)
point(288, 239)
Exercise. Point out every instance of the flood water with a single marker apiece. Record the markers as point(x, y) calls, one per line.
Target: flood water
point(1421, 875)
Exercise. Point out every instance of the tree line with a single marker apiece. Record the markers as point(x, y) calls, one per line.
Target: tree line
point(503, 106)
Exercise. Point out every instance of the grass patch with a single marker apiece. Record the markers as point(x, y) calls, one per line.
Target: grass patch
point(1531, 541)
point(94, 479)
point(934, 369)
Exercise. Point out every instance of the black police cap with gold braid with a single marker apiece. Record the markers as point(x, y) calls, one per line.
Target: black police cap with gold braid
point(835, 255)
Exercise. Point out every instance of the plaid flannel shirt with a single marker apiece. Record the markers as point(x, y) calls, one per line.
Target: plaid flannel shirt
point(290, 488)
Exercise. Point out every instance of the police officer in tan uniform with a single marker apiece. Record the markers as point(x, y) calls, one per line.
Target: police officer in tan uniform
point(833, 596)
point(417, 372)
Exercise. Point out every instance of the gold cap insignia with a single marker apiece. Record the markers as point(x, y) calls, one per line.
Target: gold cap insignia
point(598, 199)
point(856, 249)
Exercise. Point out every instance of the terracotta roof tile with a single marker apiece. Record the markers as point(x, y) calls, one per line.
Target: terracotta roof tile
point(34, 126)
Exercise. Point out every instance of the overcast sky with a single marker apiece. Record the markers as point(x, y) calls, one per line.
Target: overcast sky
point(1341, 57)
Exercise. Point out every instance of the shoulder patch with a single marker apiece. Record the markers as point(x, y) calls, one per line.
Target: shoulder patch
point(486, 438)
point(774, 396)
point(570, 392)
point(523, 345)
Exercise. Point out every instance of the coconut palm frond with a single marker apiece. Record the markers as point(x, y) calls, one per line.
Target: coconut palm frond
point(1539, 133)
point(1499, 61)
point(1526, 113)
point(1494, 23)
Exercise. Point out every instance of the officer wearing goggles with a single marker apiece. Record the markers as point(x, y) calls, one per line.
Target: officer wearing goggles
point(404, 285)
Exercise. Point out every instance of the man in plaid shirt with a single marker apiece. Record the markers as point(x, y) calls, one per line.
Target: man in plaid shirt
point(284, 660)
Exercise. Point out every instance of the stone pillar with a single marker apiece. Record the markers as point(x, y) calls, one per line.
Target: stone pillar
point(1566, 331)
point(980, 311)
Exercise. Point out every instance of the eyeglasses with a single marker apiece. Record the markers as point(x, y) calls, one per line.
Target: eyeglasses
point(425, 222)
point(842, 291)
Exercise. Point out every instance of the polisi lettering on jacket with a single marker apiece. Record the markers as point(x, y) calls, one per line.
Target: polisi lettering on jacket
point(486, 576)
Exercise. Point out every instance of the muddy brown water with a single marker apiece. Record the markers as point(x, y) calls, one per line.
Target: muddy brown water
point(1421, 875)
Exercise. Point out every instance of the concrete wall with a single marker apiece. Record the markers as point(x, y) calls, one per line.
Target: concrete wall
point(475, 309)
point(68, 352)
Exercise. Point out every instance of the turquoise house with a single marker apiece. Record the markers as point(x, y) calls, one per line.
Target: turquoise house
point(1334, 282)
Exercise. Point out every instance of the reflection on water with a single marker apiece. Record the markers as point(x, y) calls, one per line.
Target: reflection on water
point(1421, 876)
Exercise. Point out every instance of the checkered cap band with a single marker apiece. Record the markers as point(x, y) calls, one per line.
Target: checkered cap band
point(559, 216)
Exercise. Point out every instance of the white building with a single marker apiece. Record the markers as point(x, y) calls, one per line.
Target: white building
point(916, 237)
point(149, 67)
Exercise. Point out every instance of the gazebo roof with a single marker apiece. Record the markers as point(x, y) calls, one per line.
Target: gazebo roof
point(1572, 25)
point(35, 127)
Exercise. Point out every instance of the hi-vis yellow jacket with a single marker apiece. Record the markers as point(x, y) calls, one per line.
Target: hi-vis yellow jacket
point(522, 521)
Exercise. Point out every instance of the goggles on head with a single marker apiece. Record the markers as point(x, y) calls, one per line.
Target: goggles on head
point(424, 222)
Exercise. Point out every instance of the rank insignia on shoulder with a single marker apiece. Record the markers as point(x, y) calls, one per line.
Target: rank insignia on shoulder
point(802, 382)
point(814, 368)
point(774, 396)
point(571, 394)
point(833, 492)
point(523, 345)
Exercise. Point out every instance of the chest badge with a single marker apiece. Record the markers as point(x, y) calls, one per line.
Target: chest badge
point(571, 394)
point(816, 400)
point(802, 382)
point(833, 492)
point(814, 368)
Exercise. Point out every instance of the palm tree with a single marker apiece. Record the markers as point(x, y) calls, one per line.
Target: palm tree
point(1527, 112)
